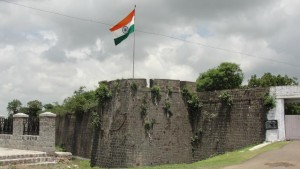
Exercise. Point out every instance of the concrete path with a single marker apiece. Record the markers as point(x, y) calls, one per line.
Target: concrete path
point(287, 157)
point(13, 152)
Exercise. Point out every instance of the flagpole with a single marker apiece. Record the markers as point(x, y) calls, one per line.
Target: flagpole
point(133, 46)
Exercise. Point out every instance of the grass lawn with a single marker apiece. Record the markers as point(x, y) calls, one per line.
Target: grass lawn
point(227, 159)
point(230, 158)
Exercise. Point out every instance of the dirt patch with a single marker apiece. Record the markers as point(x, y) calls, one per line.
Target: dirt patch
point(280, 164)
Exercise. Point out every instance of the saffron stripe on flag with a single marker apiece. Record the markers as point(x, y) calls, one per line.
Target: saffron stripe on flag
point(123, 22)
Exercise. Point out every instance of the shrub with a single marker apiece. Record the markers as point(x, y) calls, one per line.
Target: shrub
point(155, 94)
point(226, 98)
point(103, 94)
point(269, 102)
point(167, 108)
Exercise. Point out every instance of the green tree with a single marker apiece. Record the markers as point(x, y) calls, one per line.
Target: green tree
point(58, 109)
point(225, 76)
point(14, 106)
point(48, 106)
point(103, 94)
point(34, 107)
point(268, 80)
point(292, 108)
point(81, 102)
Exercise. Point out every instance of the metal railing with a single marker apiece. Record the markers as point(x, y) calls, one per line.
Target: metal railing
point(6, 125)
point(31, 126)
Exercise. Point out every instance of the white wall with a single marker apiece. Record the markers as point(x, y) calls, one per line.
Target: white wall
point(280, 93)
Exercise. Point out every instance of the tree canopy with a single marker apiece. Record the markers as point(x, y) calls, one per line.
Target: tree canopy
point(268, 80)
point(14, 106)
point(82, 101)
point(226, 76)
point(292, 108)
point(34, 107)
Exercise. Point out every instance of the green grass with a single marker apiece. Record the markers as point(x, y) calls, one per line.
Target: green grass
point(227, 159)
point(84, 164)
point(219, 161)
point(60, 148)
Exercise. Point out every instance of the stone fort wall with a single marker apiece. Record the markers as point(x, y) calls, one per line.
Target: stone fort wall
point(122, 140)
point(128, 137)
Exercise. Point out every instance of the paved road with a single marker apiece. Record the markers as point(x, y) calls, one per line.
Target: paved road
point(287, 157)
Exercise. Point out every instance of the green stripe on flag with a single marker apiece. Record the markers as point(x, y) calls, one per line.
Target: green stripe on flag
point(123, 37)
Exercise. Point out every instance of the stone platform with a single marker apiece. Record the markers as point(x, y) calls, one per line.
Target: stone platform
point(10, 156)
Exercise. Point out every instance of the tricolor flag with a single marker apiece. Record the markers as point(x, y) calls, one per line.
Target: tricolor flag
point(122, 29)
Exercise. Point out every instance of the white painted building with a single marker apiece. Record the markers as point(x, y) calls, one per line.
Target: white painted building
point(288, 126)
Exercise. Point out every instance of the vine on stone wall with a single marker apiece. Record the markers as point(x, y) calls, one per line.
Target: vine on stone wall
point(167, 108)
point(169, 92)
point(148, 126)
point(133, 87)
point(226, 98)
point(103, 94)
point(95, 120)
point(186, 94)
point(155, 94)
point(209, 115)
point(116, 85)
point(269, 102)
point(194, 106)
point(195, 140)
point(144, 107)
point(193, 102)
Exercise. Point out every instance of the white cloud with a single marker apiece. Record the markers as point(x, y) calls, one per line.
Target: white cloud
point(79, 54)
point(46, 57)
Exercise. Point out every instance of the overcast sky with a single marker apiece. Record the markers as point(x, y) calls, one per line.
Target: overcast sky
point(46, 57)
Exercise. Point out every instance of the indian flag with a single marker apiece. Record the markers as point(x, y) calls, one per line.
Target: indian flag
point(122, 29)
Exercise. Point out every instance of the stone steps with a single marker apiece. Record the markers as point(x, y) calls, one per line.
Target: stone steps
point(27, 159)
point(28, 155)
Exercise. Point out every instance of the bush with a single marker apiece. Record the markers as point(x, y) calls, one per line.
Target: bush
point(155, 94)
point(226, 98)
point(103, 94)
point(269, 102)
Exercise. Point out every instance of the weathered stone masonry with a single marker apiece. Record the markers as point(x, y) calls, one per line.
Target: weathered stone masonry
point(123, 140)
point(75, 134)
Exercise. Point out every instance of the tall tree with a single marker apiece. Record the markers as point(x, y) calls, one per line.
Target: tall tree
point(48, 106)
point(34, 107)
point(225, 76)
point(14, 106)
point(268, 80)
point(81, 102)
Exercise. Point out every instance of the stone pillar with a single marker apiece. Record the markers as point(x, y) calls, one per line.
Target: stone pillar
point(18, 126)
point(47, 132)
